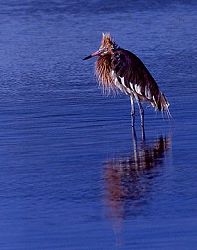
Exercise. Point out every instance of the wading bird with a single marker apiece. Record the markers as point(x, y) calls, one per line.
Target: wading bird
point(117, 68)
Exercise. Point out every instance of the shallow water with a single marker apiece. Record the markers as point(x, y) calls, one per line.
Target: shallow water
point(72, 177)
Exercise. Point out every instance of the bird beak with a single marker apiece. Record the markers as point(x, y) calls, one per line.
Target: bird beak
point(97, 53)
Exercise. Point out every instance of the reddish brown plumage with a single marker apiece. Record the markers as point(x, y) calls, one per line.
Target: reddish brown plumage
point(120, 69)
point(103, 67)
point(103, 73)
point(118, 64)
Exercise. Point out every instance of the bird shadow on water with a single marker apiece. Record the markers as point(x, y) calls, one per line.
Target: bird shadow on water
point(129, 180)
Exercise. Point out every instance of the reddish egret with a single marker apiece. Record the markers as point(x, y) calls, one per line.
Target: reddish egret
point(117, 68)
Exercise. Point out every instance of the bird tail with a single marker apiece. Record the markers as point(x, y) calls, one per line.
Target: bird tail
point(161, 103)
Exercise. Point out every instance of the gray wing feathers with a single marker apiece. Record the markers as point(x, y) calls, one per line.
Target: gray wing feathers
point(135, 77)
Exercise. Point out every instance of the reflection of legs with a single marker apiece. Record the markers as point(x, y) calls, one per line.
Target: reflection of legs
point(132, 111)
point(141, 116)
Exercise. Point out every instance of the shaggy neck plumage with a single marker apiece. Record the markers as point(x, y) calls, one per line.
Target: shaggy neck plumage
point(103, 72)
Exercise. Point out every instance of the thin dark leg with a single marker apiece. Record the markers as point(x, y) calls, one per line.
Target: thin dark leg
point(134, 137)
point(135, 150)
point(142, 117)
point(132, 111)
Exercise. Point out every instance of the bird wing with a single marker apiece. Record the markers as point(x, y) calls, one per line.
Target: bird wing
point(132, 77)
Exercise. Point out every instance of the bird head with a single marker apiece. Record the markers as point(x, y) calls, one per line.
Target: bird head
point(107, 47)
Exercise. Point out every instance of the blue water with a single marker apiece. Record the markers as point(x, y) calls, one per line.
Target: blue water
point(72, 177)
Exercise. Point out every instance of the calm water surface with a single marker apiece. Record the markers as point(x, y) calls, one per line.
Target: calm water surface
point(71, 175)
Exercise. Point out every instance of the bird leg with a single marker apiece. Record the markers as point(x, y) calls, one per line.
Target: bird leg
point(141, 116)
point(132, 111)
point(134, 137)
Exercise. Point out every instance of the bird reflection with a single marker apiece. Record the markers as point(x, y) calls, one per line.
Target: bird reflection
point(128, 180)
